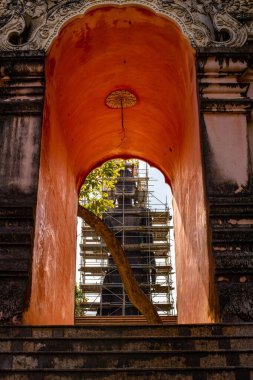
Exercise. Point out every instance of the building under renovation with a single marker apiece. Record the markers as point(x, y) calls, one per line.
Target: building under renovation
point(141, 223)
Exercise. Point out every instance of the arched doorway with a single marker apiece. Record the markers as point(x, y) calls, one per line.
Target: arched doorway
point(136, 204)
point(108, 49)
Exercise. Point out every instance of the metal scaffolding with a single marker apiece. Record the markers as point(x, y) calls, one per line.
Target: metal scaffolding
point(142, 225)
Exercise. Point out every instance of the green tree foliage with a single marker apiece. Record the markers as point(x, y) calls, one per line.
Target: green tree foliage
point(79, 299)
point(94, 194)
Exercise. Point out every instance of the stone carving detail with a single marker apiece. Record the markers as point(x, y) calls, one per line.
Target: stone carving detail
point(12, 306)
point(236, 302)
point(33, 24)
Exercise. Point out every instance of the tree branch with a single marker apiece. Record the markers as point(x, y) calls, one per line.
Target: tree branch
point(132, 288)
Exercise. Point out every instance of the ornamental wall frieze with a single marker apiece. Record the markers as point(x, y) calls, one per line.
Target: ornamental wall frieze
point(33, 24)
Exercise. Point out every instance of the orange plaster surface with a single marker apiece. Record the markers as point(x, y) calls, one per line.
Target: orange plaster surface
point(104, 50)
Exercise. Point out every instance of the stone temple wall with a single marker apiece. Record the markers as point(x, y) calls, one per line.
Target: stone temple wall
point(221, 35)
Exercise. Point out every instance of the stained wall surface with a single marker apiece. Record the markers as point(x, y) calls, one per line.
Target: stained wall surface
point(105, 50)
point(19, 140)
point(227, 137)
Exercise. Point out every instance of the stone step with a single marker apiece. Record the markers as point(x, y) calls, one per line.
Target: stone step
point(115, 352)
point(208, 373)
point(126, 359)
point(121, 320)
point(171, 330)
point(129, 343)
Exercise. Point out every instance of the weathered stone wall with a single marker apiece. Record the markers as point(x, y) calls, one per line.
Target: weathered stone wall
point(225, 92)
point(226, 105)
point(21, 104)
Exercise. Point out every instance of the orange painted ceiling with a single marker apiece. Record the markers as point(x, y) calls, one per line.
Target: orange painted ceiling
point(120, 48)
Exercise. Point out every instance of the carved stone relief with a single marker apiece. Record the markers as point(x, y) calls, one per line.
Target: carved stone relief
point(33, 24)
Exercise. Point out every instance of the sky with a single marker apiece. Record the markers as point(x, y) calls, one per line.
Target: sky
point(160, 188)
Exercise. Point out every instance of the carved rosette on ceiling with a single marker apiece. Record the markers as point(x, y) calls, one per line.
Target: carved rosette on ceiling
point(33, 24)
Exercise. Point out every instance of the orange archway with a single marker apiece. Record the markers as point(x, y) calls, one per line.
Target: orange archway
point(107, 49)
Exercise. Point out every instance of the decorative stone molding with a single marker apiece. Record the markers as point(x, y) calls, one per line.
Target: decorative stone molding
point(231, 221)
point(223, 85)
point(21, 83)
point(21, 108)
point(33, 24)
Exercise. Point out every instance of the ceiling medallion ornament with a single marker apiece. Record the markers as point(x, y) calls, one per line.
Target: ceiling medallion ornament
point(33, 24)
point(121, 99)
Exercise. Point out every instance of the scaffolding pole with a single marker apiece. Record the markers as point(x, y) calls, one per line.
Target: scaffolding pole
point(142, 224)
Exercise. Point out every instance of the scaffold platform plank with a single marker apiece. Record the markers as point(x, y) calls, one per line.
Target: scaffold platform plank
point(148, 228)
point(97, 288)
point(104, 255)
point(95, 247)
point(159, 269)
point(94, 306)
